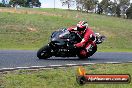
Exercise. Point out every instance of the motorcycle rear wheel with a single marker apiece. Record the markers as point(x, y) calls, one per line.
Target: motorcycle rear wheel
point(90, 53)
point(44, 52)
point(82, 56)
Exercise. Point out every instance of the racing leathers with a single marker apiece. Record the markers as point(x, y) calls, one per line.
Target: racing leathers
point(88, 39)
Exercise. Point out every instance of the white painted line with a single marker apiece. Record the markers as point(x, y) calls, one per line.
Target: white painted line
point(88, 63)
point(38, 66)
point(23, 67)
point(55, 65)
point(7, 69)
point(71, 64)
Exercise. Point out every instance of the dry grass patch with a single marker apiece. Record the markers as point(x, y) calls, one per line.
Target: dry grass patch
point(20, 11)
point(32, 29)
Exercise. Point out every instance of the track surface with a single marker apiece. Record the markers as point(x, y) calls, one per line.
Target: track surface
point(21, 58)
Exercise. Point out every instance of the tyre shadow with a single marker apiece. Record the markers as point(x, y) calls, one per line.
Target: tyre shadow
point(71, 59)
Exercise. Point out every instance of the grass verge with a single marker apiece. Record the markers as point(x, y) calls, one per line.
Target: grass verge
point(65, 77)
point(31, 28)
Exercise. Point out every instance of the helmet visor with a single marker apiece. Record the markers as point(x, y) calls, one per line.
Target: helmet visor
point(81, 28)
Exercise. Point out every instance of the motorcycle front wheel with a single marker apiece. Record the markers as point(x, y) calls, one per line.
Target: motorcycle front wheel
point(44, 52)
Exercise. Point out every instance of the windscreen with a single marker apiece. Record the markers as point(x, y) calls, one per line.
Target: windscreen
point(64, 33)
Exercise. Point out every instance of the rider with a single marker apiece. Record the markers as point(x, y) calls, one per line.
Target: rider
point(88, 38)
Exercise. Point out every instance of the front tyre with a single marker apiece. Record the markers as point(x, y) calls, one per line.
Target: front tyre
point(44, 52)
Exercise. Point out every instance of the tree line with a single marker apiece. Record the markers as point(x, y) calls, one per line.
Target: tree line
point(23, 3)
point(117, 8)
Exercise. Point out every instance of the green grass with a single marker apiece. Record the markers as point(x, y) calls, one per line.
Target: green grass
point(66, 77)
point(31, 31)
point(15, 28)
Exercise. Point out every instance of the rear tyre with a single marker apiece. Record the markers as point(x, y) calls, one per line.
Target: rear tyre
point(82, 54)
point(44, 52)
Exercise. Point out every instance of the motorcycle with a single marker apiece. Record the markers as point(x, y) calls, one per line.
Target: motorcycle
point(62, 45)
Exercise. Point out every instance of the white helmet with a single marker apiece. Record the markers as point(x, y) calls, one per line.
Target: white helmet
point(82, 26)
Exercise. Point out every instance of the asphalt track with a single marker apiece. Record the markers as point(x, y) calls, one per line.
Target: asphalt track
point(24, 58)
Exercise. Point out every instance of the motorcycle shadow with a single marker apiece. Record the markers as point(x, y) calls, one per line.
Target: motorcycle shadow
point(72, 59)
